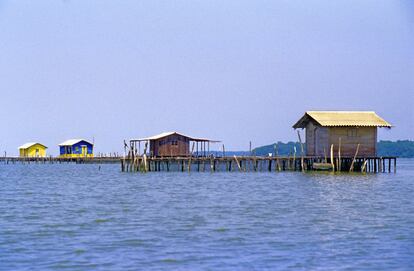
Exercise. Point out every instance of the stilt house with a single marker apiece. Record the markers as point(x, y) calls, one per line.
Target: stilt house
point(347, 128)
point(172, 144)
point(32, 149)
point(76, 148)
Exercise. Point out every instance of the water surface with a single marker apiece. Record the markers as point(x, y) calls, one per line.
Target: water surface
point(80, 217)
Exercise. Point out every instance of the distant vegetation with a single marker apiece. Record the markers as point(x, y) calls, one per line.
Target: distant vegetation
point(282, 148)
point(400, 148)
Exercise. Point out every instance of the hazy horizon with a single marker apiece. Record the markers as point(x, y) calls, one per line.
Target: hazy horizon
point(235, 71)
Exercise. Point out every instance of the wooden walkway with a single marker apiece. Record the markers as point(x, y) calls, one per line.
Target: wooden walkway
point(258, 163)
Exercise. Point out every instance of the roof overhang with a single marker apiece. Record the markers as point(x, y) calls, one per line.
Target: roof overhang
point(30, 144)
point(72, 142)
point(163, 135)
point(342, 119)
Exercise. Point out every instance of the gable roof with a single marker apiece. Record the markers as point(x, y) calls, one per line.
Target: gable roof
point(72, 142)
point(165, 134)
point(30, 144)
point(342, 118)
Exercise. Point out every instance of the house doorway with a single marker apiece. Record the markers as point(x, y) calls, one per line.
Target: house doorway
point(84, 151)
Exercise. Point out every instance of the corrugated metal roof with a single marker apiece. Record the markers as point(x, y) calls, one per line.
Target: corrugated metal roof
point(71, 142)
point(343, 118)
point(28, 145)
point(165, 134)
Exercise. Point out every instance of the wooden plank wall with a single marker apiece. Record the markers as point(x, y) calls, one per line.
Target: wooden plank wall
point(317, 140)
point(167, 149)
point(365, 136)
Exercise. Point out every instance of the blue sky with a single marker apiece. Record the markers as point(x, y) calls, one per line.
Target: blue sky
point(229, 70)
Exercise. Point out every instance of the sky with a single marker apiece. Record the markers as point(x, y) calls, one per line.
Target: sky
point(235, 71)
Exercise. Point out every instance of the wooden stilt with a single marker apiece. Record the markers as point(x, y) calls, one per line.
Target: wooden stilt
point(364, 164)
point(395, 165)
point(339, 166)
point(189, 159)
point(353, 160)
point(237, 162)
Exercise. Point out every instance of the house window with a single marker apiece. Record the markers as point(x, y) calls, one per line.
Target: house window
point(352, 132)
point(174, 142)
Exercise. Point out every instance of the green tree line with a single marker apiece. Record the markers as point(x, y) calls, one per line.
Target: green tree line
point(399, 148)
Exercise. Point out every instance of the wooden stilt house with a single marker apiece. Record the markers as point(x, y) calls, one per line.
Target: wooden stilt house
point(170, 144)
point(347, 128)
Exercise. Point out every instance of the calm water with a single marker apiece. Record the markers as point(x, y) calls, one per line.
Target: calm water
point(77, 217)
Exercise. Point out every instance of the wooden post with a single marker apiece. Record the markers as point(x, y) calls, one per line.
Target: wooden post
point(224, 151)
point(353, 160)
point(124, 164)
point(302, 153)
point(380, 164)
point(339, 156)
point(237, 162)
point(389, 165)
point(277, 157)
point(287, 162)
point(332, 157)
point(395, 165)
point(132, 158)
point(189, 159)
point(364, 165)
point(294, 158)
point(145, 157)
point(139, 147)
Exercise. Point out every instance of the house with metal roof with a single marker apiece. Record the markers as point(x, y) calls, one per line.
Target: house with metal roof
point(173, 144)
point(32, 149)
point(76, 148)
point(344, 128)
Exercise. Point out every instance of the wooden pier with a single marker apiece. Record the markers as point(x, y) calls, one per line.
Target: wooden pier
point(258, 163)
point(226, 164)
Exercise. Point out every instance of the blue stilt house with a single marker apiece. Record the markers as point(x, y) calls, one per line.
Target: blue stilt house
point(76, 148)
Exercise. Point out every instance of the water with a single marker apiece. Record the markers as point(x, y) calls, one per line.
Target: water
point(77, 217)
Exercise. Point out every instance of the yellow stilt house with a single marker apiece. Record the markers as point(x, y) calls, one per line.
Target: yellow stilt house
point(32, 149)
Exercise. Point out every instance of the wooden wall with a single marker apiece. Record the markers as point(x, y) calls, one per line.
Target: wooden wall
point(174, 145)
point(351, 136)
point(319, 140)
